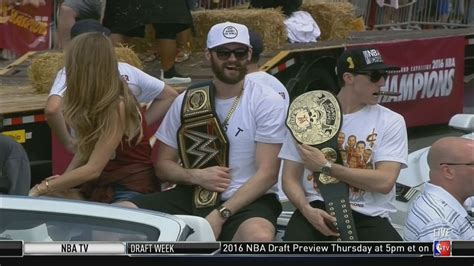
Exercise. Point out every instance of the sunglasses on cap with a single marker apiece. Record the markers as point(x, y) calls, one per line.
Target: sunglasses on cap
point(375, 76)
point(224, 53)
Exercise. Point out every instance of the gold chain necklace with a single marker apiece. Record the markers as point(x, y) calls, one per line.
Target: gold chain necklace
point(232, 110)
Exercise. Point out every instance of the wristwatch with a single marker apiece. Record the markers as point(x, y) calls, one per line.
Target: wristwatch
point(326, 169)
point(224, 212)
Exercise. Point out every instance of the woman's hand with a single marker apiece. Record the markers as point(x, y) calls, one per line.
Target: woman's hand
point(43, 187)
point(35, 191)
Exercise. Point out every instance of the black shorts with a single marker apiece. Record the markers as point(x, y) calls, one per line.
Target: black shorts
point(179, 201)
point(368, 228)
point(162, 30)
point(129, 17)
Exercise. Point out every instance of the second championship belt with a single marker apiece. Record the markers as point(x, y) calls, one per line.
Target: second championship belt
point(201, 140)
point(315, 118)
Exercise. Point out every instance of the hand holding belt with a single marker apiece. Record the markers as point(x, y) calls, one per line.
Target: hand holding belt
point(315, 118)
point(201, 140)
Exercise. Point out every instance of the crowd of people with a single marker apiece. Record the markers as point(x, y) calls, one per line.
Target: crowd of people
point(224, 143)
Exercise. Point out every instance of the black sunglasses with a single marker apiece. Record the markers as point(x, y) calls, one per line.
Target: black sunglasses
point(375, 76)
point(239, 53)
point(457, 164)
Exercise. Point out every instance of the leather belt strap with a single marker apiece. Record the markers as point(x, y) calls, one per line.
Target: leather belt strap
point(315, 118)
point(201, 140)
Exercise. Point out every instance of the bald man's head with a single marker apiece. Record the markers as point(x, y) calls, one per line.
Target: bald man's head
point(451, 162)
point(450, 150)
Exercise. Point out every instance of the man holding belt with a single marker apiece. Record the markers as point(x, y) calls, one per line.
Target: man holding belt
point(361, 72)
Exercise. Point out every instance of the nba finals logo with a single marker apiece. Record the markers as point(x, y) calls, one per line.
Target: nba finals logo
point(442, 248)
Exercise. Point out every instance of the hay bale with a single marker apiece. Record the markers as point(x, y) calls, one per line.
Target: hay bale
point(268, 22)
point(127, 55)
point(43, 69)
point(45, 66)
point(358, 24)
point(335, 19)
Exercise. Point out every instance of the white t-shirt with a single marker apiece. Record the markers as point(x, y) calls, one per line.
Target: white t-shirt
point(145, 87)
point(376, 134)
point(269, 80)
point(259, 117)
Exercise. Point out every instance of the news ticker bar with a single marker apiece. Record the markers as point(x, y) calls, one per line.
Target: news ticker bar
point(437, 248)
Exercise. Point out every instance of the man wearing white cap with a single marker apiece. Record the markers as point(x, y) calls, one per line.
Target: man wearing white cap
point(251, 118)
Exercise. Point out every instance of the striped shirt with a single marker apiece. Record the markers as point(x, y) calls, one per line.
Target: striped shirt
point(437, 215)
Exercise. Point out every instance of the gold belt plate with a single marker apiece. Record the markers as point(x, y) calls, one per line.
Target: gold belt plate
point(314, 117)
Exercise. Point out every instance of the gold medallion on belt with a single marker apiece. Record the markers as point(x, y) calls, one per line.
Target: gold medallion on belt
point(314, 117)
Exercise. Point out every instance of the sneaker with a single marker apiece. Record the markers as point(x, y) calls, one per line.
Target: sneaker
point(150, 58)
point(182, 56)
point(175, 79)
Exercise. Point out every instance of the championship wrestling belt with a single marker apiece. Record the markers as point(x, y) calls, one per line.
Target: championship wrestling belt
point(201, 140)
point(315, 118)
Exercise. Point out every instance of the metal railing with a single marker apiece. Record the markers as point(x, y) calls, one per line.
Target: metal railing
point(444, 13)
point(211, 4)
point(395, 17)
point(416, 14)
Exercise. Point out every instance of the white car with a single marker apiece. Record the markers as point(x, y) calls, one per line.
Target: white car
point(50, 219)
point(411, 180)
point(43, 219)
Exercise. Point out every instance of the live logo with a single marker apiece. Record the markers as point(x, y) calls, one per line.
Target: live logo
point(441, 233)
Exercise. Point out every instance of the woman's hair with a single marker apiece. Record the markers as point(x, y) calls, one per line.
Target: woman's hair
point(94, 92)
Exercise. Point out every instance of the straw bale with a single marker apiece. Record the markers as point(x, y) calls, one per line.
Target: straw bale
point(127, 55)
point(268, 22)
point(44, 67)
point(335, 19)
point(358, 24)
point(140, 45)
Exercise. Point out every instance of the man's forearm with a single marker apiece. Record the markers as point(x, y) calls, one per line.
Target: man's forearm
point(157, 110)
point(380, 180)
point(265, 178)
point(160, 106)
point(254, 188)
point(172, 172)
point(292, 184)
point(59, 128)
point(67, 18)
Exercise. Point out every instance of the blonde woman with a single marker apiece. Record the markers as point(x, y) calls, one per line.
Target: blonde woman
point(112, 162)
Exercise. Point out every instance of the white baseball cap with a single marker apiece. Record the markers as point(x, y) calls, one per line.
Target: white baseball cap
point(228, 32)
